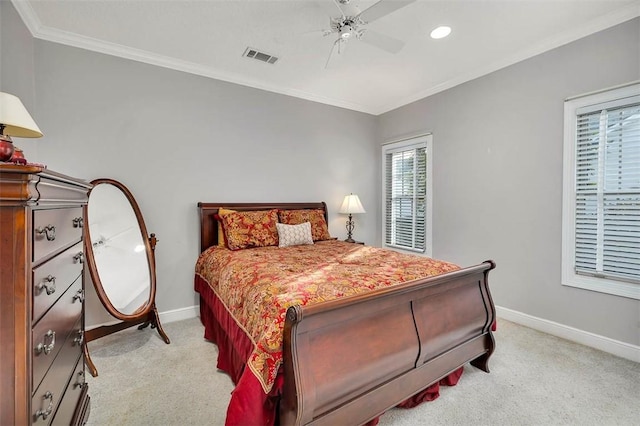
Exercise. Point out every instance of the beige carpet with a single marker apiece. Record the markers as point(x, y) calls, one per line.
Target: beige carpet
point(535, 379)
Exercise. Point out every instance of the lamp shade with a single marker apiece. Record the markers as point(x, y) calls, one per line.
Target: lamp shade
point(351, 205)
point(15, 119)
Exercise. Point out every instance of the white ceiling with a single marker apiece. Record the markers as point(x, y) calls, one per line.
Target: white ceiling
point(208, 37)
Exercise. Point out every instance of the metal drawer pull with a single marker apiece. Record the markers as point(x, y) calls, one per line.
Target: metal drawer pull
point(48, 283)
point(80, 338)
point(80, 382)
point(49, 409)
point(78, 257)
point(77, 222)
point(78, 296)
point(49, 231)
point(42, 347)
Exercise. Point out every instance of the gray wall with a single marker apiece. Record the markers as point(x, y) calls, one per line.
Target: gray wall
point(498, 144)
point(175, 139)
point(16, 59)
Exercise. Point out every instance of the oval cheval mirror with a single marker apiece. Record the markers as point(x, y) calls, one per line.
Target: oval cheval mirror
point(121, 261)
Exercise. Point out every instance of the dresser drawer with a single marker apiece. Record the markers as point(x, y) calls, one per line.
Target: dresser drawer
point(33, 199)
point(49, 394)
point(71, 397)
point(52, 279)
point(52, 330)
point(54, 229)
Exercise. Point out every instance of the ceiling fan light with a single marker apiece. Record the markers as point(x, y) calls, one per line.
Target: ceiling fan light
point(345, 31)
point(441, 32)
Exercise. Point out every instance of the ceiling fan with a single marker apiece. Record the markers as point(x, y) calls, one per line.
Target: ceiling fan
point(352, 22)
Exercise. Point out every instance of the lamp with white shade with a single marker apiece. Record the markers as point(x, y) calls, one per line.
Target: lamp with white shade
point(14, 121)
point(351, 205)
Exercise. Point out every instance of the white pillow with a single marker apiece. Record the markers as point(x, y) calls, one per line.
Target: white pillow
point(294, 235)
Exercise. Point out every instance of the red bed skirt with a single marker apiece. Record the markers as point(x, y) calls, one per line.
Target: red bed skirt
point(249, 405)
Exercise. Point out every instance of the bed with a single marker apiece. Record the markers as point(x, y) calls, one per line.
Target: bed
point(355, 353)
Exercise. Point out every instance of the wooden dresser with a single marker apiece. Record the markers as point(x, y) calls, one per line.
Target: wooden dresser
point(41, 297)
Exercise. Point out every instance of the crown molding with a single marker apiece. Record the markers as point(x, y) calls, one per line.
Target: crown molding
point(603, 22)
point(28, 15)
point(42, 32)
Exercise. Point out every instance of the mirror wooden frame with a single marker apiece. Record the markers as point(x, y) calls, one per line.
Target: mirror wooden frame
point(147, 314)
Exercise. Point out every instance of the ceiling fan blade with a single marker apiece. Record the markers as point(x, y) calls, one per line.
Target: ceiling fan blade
point(337, 50)
point(323, 32)
point(339, 8)
point(382, 41)
point(286, 38)
point(382, 8)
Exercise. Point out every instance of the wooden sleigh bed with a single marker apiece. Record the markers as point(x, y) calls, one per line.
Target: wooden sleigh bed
point(348, 360)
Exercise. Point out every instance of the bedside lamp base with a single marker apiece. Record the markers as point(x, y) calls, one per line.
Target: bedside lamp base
point(350, 226)
point(6, 148)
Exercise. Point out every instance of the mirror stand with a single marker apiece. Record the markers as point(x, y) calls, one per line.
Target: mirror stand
point(96, 333)
point(120, 258)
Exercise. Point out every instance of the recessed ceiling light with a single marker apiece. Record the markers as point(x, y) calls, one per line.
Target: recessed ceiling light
point(441, 32)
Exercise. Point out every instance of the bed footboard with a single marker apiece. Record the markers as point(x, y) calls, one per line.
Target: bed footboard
point(349, 360)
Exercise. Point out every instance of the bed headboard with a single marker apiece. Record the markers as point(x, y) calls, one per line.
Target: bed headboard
point(209, 225)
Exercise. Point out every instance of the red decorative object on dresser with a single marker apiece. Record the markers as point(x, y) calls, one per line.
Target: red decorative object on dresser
point(346, 331)
point(41, 297)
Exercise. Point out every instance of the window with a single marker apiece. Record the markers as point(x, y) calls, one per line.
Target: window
point(601, 201)
point(406, 194)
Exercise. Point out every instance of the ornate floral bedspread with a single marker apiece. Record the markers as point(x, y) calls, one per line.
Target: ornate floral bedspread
point(258, 285)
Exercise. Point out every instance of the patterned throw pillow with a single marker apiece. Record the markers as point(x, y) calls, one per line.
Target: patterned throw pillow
point(221, 212)
point(294, 235)
point(250, 229)
point(319, 230)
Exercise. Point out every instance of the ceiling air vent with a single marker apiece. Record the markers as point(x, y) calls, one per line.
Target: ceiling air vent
point(260, 56)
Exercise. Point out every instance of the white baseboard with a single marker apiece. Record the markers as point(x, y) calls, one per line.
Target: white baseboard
point(165, 317)
point(615, 347)
point(180, 314)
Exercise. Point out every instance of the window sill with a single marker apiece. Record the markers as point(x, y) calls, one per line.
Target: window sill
point(602, 285)
point(405, 250)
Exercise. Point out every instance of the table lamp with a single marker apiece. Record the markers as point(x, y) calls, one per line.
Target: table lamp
point(351, 205)
point(14, 121)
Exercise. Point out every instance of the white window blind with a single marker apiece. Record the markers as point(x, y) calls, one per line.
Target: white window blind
point(406, 195)
point(607, 191)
